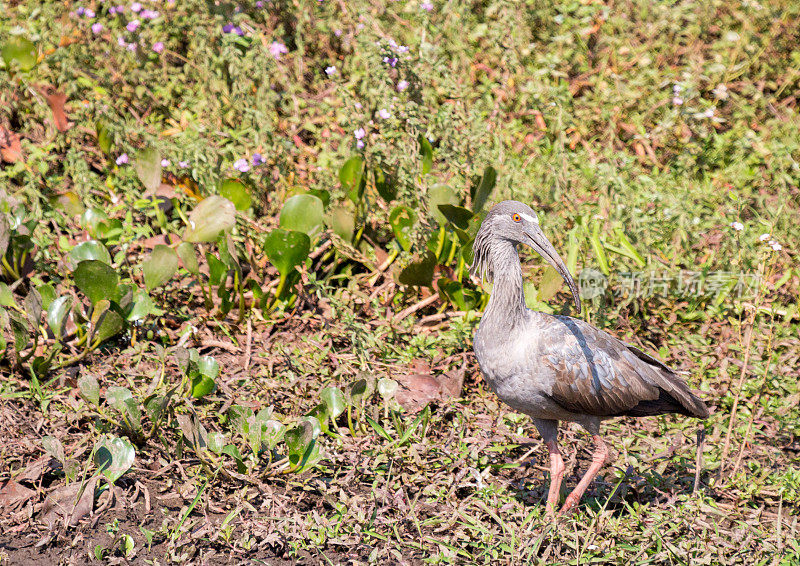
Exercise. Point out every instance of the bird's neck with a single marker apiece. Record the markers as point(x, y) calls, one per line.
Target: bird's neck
point(506, 306)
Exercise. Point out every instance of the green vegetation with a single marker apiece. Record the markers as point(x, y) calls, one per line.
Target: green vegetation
point(235, 302)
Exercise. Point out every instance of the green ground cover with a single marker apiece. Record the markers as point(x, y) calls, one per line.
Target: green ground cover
point(235, 308)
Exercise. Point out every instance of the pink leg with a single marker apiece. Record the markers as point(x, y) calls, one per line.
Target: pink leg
point(556, 475)
point(598, 459)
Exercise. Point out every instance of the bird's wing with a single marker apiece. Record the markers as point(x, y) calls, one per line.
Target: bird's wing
point(596, 374)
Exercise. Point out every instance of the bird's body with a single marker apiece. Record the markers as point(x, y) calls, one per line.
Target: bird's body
point(558, 368)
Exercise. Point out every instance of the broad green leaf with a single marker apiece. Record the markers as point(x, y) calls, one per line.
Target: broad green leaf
point(89, 388)
point(321, 194)
point(402, 220)
point(116, 395)
point(216, 442)
point(209, 219)
point(236, 192)
point(419, 273)
point(301, 441)
point(141, 306)
point(110, 324)
point(58, 314)
point(54, 448)
point(185, 251)
point(19, 51)
point(439, 194)
point(114, 457)
point(387, 387)
point(202, 385)
point(286, 249)
point(103, 137)
point(96, 279)
point(148, 167)
point(33, 308)
point(237, 419)
point(6, 297)
point(90, 250)
point(160, 266)
point(19, 327)
point(303, 213)
point(457, 215)
point(351, 172)
point(48, 294)
point(463, 298)
point(482, 192)
point(342, 221)
point(426, 151)
point(208, 366)
point(217, 270)
point(232, 451)
point(334, 400)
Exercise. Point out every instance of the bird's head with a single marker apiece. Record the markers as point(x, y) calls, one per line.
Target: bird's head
point(515, 222)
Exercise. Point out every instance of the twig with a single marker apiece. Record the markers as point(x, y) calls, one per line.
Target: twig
point(415, 307)
point(698, 462)
point(248, 347)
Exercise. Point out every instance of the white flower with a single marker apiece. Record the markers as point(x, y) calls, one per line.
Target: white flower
point(383, 113)
point(402, 85)
point(330, 71)
point(776, 246)
point(763, 237)
point(738, 226)
point(709, 113)
point(359, 133)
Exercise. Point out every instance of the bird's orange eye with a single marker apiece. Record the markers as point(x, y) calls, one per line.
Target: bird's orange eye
point(516, 218)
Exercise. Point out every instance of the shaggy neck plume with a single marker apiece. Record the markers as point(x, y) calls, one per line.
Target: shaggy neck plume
point(497, 259)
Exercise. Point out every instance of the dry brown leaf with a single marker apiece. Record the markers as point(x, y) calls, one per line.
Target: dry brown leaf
point(56, 101)
point(63, 503)
point(14, 494)
point(10, 147)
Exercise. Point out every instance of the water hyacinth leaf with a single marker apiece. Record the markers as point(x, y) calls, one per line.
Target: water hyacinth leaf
point(402, 220)
point(91, 249)
point(110, 324)
point(237, 419)
point(114, 457)
point(116, 396)
point(202, 385)
point(439, 194)
point(209, 219)
point(141, 306)
point(57, 315)
point(33, 307)
point(286, 249)
point(483, 190)
point(109, 230)
point(208, 366)
point(301, 441)
point(386, 184)
point(457, 215)
point(160, 266)
point(334, 400)
point(19, 328)
point(216, 442)
point(236, 192)
point(426, 152)
point(217, 270)
point(232, 451)
point(97, 280)
point(303, 213)
point(186, 253)
point(20, 52)
point(464, 299)
point(321, 194)
point(92, 217)
point(148, 167)
point(351, 172)
point(387, 387)
point(419, 273)
point(89, 388)
point(342, 221)
point(6, 297)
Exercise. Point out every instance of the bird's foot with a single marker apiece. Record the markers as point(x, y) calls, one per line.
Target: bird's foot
point(569, 505)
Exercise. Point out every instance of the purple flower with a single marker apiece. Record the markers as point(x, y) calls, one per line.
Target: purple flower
point(391, 61)
point(259, 4)
point(241, 165)
point(122, 159)
point(120, 9)
point(136, 7)
point(360, 144)
point(277, 49)
point(89, 13)
point(360, 133)
point(158, 46)
point(383, 113)
point(330, 71)
point(227, 28)
point(337, 33)
point(80, 11)
point(402, 85)
point(121, 41)
point(131, 47)
point(238, 31)
point(112, 11)
point(165, 163)
point(97, 28)
point(258, 160)
point(403, 49)
point(133, 25)
point(149, 14)
point(427, 6)
point(183, 164)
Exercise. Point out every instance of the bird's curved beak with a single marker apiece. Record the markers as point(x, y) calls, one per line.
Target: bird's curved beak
point(539, 242)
